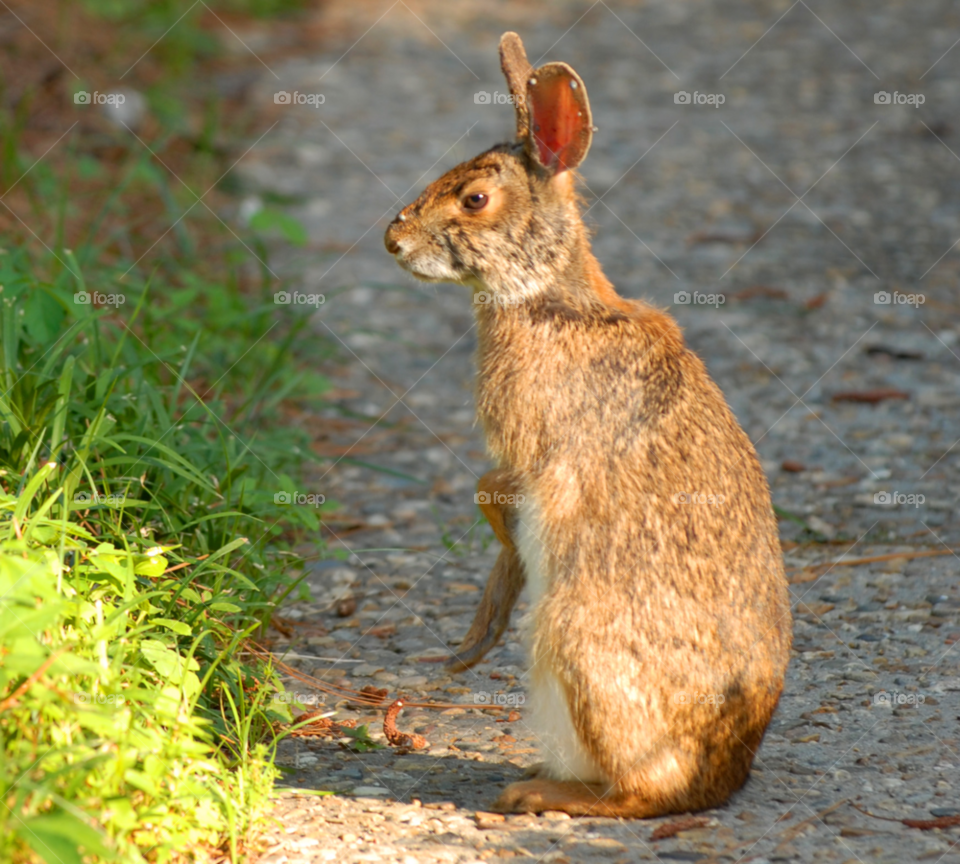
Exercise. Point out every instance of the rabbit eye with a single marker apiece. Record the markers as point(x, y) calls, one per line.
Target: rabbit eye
point(477, 201)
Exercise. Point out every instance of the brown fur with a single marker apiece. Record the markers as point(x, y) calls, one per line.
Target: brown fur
point(599, 415)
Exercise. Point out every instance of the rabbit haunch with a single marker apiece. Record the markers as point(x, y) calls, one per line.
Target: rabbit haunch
point(660, 627)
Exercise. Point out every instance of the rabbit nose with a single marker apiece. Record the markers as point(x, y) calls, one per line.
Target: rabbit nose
point(393, 247)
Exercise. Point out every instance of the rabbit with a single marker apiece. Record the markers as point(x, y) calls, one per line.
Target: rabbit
point(626, 497)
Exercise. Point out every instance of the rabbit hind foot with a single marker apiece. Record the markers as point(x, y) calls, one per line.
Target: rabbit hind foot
point(577, 799)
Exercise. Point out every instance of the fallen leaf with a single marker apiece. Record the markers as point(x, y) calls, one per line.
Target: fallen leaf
point(282, 626)
point(671, 829)
point(396, 738)
point(871, 397)
point(321, 727)
point(761, 291)
point(814, 608)
point(378, 693)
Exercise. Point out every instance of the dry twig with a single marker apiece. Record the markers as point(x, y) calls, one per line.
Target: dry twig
point(920, 824)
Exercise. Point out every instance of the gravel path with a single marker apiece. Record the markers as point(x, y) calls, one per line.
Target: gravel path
point(799, 203)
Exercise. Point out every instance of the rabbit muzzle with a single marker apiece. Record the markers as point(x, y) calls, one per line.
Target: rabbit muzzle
point(417, 251)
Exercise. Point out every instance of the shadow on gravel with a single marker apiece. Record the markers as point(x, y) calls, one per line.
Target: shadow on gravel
point(454, 779)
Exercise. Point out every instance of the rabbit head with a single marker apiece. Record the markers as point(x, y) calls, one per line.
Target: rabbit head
point(508, 221)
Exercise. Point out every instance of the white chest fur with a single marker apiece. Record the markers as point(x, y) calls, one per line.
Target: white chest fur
point(531, 546)
point(564, 756)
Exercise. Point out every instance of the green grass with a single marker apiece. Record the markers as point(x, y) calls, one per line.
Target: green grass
point(108, 749)
point(113, 470)
point(142, 443)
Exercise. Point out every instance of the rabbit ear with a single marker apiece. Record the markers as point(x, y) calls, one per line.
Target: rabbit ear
point(559, 116)
point(516, 68)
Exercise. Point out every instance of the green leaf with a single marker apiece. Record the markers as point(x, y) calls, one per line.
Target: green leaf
point(362, 740)
point(38, 479)
point(300, 791)
point(58, 838)
point(169, 664)
point(141, 781)
point(151, 566)
point(60, 417)
point(224, 607)
point(177, 626)
point(42, 316)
